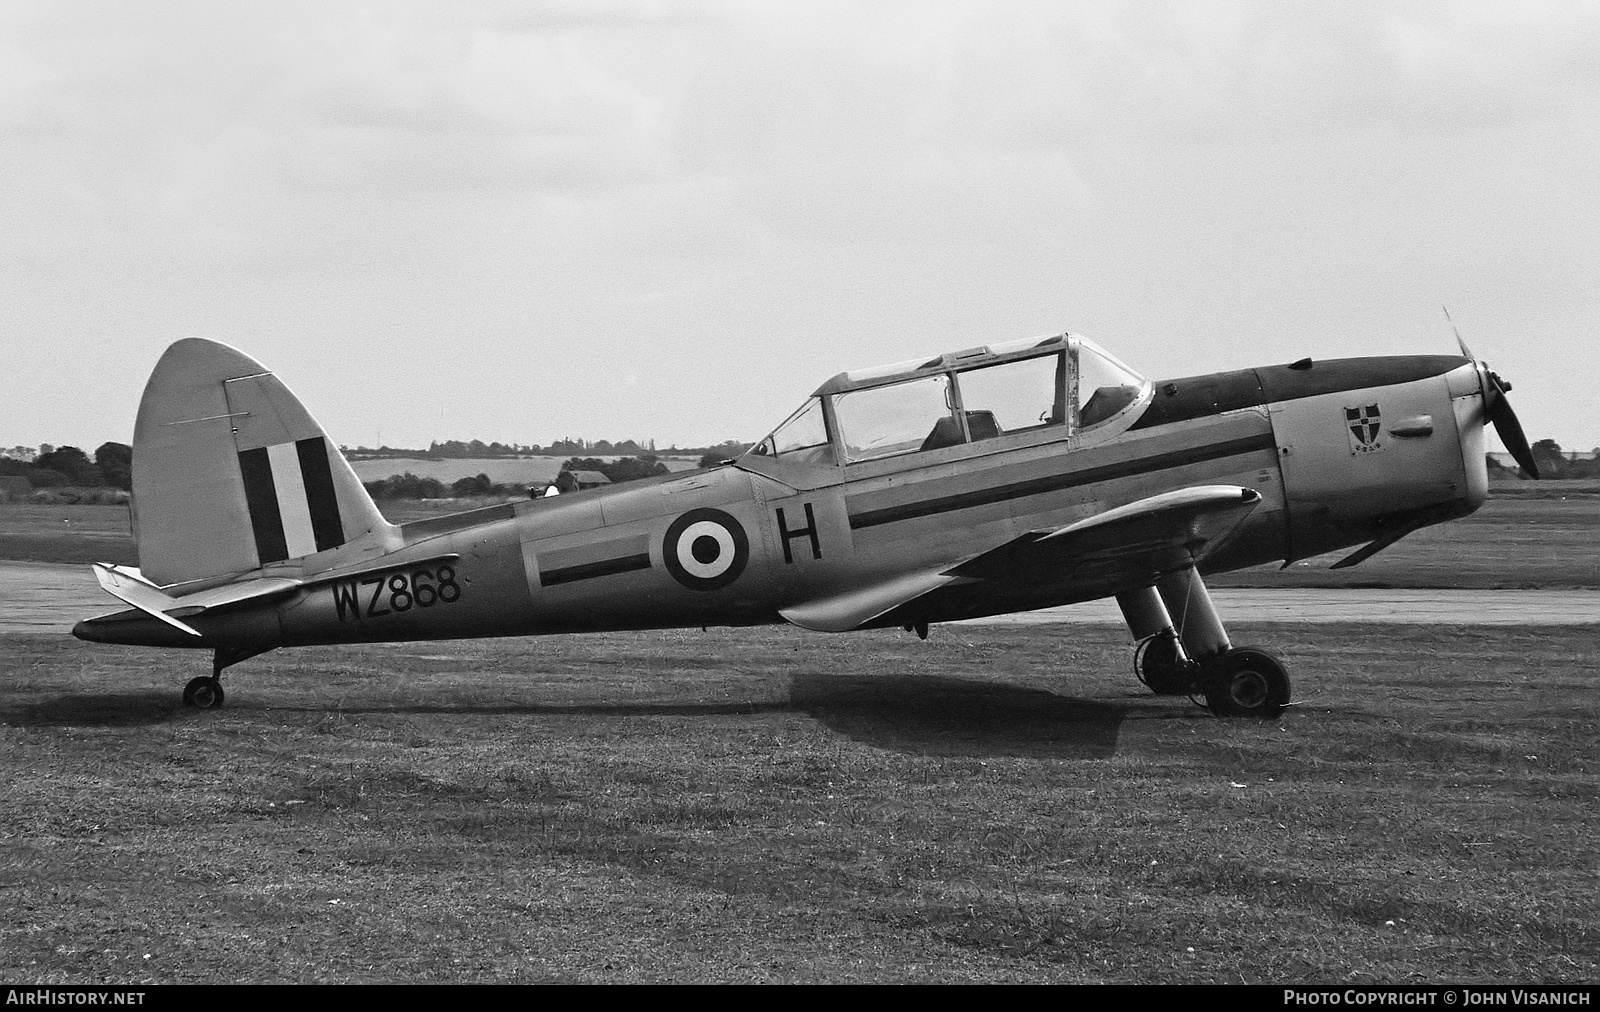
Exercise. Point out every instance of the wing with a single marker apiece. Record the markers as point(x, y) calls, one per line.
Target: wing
point(1111, 552)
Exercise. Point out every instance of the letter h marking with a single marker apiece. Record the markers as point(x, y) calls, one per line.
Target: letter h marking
point(809, 530)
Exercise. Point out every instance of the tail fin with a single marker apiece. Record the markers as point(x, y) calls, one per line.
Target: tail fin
point(230, 472)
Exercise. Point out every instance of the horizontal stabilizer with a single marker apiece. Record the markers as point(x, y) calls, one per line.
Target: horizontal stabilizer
point(124, 586)
point(131, 572)
point(260, 588)
point(127, 584)
point(236, 593)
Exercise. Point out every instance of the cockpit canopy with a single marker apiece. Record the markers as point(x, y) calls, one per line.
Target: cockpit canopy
point(1053, 386)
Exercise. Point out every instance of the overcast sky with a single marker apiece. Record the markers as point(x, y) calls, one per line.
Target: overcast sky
point(519, 221)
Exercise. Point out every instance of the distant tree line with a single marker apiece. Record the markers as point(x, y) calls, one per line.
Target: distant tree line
point(68, 466)
point(411, 486)
point(457, 449)
point(1553, 461)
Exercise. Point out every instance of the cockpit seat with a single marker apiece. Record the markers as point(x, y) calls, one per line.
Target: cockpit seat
point(982, 425)
point(945, 433)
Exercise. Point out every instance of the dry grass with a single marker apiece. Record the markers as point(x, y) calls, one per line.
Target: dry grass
point(994, 804)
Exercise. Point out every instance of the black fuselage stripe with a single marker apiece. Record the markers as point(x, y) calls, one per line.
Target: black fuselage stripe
point(261, 496)
point(321, 501)
point(590, 570)
point(1057, 482)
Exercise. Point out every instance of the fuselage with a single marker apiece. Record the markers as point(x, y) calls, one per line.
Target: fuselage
point(1341, 452)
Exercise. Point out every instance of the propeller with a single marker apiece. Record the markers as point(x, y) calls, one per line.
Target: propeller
point(1498, 410)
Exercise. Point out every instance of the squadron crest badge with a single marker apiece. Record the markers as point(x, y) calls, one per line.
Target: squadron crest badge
point(1364, 424)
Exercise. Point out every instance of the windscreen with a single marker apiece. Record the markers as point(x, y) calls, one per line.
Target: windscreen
point(805, 430)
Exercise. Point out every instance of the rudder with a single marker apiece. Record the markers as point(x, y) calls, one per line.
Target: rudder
point(231, 473)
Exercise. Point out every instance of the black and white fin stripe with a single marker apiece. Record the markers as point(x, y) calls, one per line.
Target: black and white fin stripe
point(289, 490)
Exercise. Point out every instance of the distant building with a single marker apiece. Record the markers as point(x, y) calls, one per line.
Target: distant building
point(577, 481)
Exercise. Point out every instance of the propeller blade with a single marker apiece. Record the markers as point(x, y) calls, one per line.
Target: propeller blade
point(1465, 351)
point(1509, 429)
point(1498, 411)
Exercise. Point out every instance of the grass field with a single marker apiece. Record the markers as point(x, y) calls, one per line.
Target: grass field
point(996, 804)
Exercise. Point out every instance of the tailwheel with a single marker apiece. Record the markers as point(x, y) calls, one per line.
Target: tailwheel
point(1246, 683)
point(1162, 668)
point(204, 693)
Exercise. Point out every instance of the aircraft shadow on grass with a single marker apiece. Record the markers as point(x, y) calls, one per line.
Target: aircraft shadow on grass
point(140, 708)
point(917, 714)
point(944, 716)
point(104, 709)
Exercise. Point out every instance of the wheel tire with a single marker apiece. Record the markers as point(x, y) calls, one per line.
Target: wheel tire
point(1160, 671)
point(1247, 683)
point(203, 693)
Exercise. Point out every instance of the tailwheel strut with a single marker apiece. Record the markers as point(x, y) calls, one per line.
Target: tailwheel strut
point(205, 692)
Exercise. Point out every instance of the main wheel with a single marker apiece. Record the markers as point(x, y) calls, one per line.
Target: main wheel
point(1246, 683)
point(1159, 670)
point(204, 693)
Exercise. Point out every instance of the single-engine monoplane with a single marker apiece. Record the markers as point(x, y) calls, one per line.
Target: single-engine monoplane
point(1001, 478)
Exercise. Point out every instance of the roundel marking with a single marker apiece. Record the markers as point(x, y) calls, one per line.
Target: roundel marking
point(705, 549)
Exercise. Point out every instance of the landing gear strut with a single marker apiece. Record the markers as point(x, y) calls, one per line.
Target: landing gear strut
point(205, 693)
point(1194, 657)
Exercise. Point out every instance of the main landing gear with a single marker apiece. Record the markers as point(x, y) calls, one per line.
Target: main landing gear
point(1194, 657)
point(203, 693)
